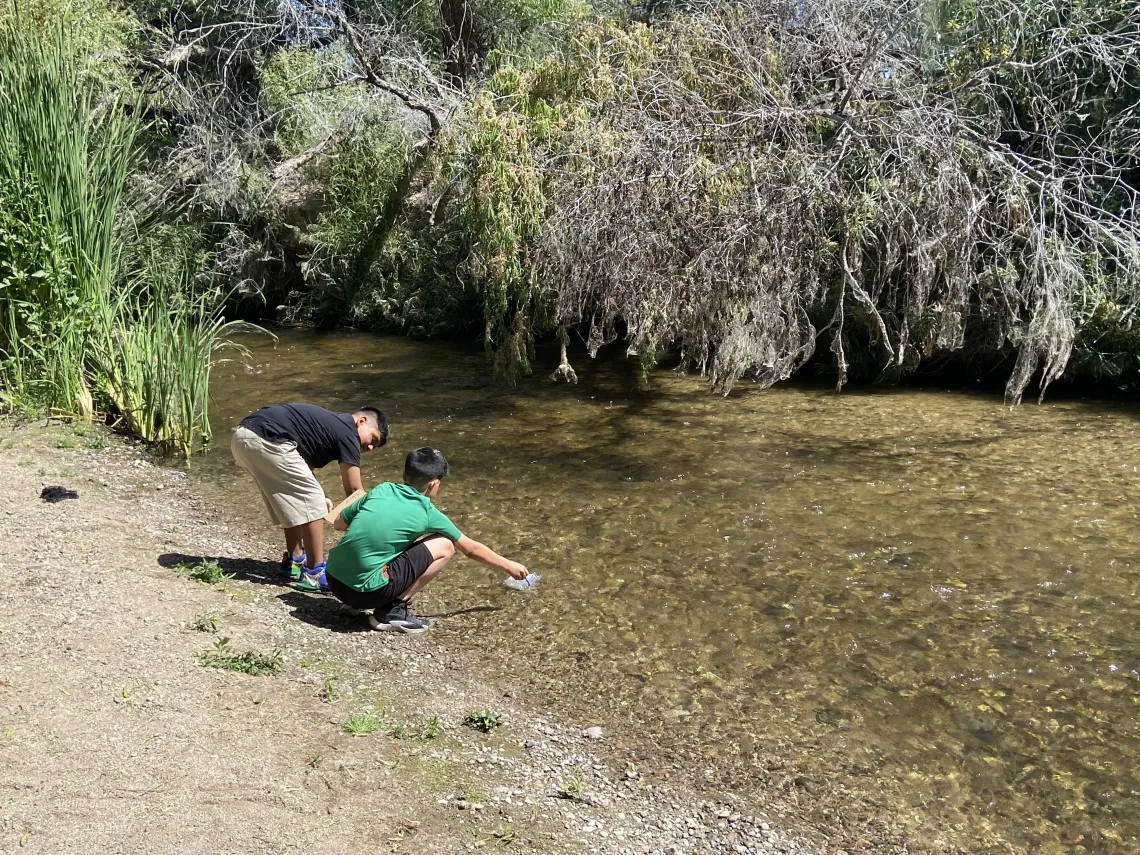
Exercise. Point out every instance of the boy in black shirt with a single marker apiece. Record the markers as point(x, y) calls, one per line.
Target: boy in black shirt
point(280, 446)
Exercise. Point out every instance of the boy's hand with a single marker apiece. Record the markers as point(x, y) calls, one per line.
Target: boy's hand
point(328, 506)
point(516, 570)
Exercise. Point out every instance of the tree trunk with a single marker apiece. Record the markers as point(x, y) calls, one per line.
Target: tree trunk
point(462, 42)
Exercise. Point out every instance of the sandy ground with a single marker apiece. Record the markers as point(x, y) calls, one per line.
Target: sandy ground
point(115, 739)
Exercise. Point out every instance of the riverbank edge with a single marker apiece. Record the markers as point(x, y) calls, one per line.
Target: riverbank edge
point(471, 788)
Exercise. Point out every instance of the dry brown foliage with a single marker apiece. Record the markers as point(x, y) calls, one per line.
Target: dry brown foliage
point(757, 179)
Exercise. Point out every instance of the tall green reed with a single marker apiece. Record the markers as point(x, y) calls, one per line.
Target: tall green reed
point(155, 352)
point(68, 158)
point(78, 329)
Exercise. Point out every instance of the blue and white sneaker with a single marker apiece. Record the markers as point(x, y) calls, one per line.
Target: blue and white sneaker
point(314, 581)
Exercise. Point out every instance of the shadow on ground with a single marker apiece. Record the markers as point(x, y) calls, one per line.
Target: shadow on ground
point(247, 569)
point(322, 611)
point(314, 609)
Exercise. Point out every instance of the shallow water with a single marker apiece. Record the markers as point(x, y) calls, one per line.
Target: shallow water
point(922, 594)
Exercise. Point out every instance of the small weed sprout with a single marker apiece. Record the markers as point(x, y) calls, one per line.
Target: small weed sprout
point(208, 572)
point(363, 722)
point(431, 729)
point(66, 442)
point(246, 662)
point(484, 720)
point(26, 461)
point(97, 441)
point(423, 730)
point(505, 835)
point(206, 623)
point(315, 761)
point(571, 789)
point(81, 428)
point(331, 692)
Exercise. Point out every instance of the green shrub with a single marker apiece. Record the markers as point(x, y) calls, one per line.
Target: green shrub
point(485, 719)
point(207, 572)
point(250, 662)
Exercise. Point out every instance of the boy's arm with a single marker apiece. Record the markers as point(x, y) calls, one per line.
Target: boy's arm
point(342, 514)
point(350, 478)
point(486, 555)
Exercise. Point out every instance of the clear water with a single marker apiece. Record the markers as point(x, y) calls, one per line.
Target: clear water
point(920, 602)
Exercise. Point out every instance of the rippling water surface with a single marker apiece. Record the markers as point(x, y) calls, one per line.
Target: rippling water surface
point(917, 594)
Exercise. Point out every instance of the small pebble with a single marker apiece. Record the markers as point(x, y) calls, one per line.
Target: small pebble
point(594, 732)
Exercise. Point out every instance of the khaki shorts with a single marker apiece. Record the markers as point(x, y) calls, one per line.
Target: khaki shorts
point(288, 488)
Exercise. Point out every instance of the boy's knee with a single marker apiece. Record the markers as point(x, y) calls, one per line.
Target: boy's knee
point(441, 547)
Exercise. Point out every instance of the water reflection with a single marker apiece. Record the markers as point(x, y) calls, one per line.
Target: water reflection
point(910, 593)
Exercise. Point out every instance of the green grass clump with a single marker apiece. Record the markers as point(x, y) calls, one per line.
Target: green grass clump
point(26, 461)
point(363, 722)
point(245, 662)
point(66, 442)
point(208, 572)
point(485, 719)
point(571, 789)
point(206, 623)
point(422, 730)
point(331, 691)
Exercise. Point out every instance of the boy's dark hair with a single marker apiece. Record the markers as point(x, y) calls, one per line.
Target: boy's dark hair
point(377, 420)
point(424, 465)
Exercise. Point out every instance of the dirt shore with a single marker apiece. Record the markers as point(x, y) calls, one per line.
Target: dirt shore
point(115, 738)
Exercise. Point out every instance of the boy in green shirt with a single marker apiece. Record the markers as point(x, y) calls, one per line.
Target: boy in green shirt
point(396, 542)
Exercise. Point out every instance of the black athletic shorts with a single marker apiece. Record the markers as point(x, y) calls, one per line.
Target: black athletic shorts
point(403, 571)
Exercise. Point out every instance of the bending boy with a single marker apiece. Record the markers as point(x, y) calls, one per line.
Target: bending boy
point(396, 542)
point(280, 446)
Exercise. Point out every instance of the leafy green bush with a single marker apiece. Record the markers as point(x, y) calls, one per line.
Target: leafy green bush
point(484, 720)
point(251, 662)
point(207, 572)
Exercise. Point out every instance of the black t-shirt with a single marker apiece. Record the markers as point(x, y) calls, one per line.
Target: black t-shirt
point(321, 436)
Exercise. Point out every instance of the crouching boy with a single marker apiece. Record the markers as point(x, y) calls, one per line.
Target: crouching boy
point(396, 542)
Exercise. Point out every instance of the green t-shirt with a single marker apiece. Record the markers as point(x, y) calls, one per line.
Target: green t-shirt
point(382, 524)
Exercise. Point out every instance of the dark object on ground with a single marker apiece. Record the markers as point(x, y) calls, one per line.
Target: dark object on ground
point(57, 494)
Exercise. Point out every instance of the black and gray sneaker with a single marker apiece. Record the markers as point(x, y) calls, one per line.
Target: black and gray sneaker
point(400, 617)
point(378, 620)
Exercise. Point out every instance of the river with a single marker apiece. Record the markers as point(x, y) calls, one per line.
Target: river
point(918, 599)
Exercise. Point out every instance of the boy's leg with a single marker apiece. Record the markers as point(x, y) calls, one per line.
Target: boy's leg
point(245, 447)
point(293, 541)
point(314, 578)
point(312, 535)
point(442, 550)
point(357, 602)
point(409, 572)
point(293, 497)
